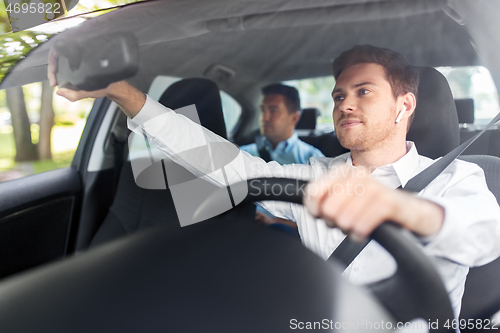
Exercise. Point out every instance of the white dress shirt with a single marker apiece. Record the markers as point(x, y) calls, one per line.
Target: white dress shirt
point(467, 238)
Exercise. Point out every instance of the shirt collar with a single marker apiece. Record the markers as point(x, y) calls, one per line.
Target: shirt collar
point(404, 167)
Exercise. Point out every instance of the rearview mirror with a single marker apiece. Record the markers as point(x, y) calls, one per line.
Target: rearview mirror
point(93, 63)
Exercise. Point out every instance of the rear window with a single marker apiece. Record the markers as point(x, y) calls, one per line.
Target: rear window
point(317, 93)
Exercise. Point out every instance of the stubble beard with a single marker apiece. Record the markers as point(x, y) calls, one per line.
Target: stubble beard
point(367, 137)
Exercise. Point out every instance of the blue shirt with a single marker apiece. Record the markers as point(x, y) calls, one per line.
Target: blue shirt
point(292, 150)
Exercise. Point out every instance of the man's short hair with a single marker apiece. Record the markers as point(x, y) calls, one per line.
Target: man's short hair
point(291, 94)
point(402, 76)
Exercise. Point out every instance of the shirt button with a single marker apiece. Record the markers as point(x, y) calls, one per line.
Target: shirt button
point(356, 270)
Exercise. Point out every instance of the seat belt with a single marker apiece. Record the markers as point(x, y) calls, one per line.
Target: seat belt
point(264, 154)
point(348, 249)
point(261, 148)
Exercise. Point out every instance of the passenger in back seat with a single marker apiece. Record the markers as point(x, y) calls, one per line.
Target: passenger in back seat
point(280, 112)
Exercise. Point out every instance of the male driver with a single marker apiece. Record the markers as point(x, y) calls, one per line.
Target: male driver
point(280, 112)
point(456, 217)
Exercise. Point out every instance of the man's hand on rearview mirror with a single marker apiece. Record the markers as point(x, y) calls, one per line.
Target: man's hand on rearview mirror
point(128, 98)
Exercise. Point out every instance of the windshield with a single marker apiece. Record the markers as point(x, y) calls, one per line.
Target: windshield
point(14, 46)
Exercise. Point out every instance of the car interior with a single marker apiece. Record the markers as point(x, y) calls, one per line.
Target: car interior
point(89, 236)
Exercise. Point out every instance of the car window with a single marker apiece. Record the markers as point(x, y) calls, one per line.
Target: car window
point(474, 82)
point(39, 130)
point(231, 110)
point(317, 93)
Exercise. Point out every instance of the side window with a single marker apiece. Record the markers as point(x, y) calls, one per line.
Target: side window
point(231, 110)
point(474, 82)
point(39, 130)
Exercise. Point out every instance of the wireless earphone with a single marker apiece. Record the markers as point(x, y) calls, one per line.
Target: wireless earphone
point(401, 113)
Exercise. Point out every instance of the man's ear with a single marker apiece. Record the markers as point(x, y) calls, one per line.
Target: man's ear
point(295, 117)
point(410, 103)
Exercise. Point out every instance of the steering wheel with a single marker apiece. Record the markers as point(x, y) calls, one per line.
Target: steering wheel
point(414, 291)
point(225, 274)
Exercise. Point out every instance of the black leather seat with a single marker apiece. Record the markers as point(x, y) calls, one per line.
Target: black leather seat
point(205, 95)
point(465, 110)
point(435, 126)
point(137, 208)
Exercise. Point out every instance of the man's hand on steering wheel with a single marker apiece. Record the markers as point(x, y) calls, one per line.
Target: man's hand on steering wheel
point(349, 199)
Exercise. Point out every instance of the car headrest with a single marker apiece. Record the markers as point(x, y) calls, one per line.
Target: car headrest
point(435, 128)
point(465, 110)
point(205, 95)
point(308, 119)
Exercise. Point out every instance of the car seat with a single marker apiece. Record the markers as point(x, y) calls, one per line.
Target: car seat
point(435, 131)
point(435, 125)
point(481, 298)
point(488, 143)
point(308, 119)
point(465, 111)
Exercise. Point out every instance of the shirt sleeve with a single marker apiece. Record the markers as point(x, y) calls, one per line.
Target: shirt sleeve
point(471, 227)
